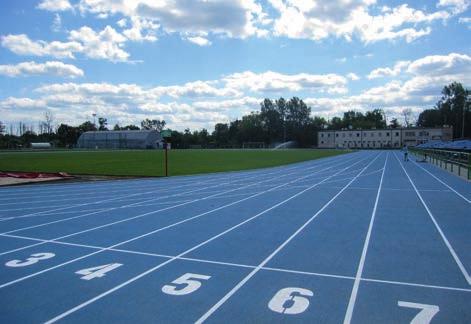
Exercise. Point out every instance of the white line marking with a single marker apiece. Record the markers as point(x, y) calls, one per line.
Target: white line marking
point(356, 284)
point(445, 240)
point(104, 294)
point(442, 182)
point(164, 228)
point(159, 210)
point(239, 265)
point(216, 306)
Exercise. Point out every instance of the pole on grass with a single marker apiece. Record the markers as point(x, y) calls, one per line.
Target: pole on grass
point(166, 159)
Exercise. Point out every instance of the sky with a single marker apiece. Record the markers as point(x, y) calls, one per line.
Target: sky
point(194, 63)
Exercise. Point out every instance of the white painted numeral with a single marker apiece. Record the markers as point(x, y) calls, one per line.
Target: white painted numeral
point(97, 272)
point(290, 300)
point(188, 279)
point(34, 258)
point(425, 315)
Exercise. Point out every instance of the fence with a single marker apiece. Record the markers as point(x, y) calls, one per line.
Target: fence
point(456, 162)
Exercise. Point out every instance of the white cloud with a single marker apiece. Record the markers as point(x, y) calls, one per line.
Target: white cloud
point(48, 68)
point(466, 21)
point(56, 23)
point(353, 77)
point(195, 89)
point(245, 104)
point(320, 19)
point(22, 45)
point(277, 82)
point(198, 40)
point(457, 6)
point(231, 18)
point(55, 5)
point(389, 72)
point(106, 44)
point(138, 26)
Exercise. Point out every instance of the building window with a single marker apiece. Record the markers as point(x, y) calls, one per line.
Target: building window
point(328, 135)
point(387, 134)
point(350, 135)
point(379, 134)
point(410, 134)
point(322, 142)
point(322, 135)
point(336, 135)
point(371, 134)
point(358, 134)
point(397, 134)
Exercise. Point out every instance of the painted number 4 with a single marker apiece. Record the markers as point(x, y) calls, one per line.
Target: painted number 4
point(290, 300)
point(427, 312)
point(97, 272)
point(191, 282)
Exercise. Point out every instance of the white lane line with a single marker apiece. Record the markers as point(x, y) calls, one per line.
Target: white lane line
point(146, 234)
point(412, 284)
point(216, 306)
point(143, 274)
point(239, 265)
point(159, 210)
point(361, 264)
point(228, 179)
point(98, 212)
point(127, 184)
point(443, 183)
point(445, 240)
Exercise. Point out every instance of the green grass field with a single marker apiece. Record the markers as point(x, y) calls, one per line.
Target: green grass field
point(150, 163)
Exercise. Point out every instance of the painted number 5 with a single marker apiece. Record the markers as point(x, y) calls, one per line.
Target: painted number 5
point(34, 258)
point(190, 280)
point(290, 300)
point(427, 312)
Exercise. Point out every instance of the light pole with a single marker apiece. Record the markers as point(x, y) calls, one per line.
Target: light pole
point(94, 121)
point(465, 108)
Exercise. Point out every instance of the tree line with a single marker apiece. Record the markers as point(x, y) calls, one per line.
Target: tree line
point(276, 121)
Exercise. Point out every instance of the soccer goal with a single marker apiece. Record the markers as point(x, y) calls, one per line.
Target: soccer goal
point(253, 145)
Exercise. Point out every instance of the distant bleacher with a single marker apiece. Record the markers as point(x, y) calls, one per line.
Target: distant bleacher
point(454, 145)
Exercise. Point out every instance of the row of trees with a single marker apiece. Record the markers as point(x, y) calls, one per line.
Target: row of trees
point(276, 121)
point(454, 108)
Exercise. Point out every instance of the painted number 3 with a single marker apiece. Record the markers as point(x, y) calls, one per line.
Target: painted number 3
point(34, 258)
point(191, 282)
point(290, 300)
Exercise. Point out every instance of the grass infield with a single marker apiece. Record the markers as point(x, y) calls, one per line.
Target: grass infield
point(150, 162)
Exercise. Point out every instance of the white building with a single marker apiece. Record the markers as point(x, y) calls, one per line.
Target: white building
point(381, 138)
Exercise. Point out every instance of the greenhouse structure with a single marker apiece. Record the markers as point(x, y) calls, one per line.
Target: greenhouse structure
point(127, 139)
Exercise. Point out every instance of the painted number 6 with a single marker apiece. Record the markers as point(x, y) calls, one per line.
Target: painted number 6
point(189, 280)
point(290, 300)
point(34, 258)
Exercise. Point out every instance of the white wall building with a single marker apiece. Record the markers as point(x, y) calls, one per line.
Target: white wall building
point(381, 138)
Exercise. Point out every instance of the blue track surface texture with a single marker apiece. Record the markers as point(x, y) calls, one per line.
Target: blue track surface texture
point(358, 238)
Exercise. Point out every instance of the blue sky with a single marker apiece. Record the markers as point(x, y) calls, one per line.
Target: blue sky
point(196, 63)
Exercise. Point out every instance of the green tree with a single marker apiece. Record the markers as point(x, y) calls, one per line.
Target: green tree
point(102, 122)
point(394, 123)
point(154, 124)
point(67, 135)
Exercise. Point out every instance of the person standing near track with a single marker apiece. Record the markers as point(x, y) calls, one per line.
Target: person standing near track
point(406, 153)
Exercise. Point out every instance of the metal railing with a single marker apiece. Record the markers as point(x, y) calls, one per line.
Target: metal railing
point(456, 162)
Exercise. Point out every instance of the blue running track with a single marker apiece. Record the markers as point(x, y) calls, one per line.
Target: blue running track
point(357, 238)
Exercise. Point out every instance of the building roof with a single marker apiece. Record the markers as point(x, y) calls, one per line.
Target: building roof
point(128, 134)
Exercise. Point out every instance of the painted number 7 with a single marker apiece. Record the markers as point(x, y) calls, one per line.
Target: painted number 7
point(191, 282)
point(425, 315)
